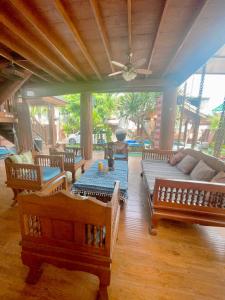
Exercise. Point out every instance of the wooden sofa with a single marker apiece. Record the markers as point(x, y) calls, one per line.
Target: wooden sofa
point(73, 159)
point(37, 176)
point(173, 195)
point(69, 231)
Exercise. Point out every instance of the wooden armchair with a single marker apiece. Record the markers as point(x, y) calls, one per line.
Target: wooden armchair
point(69, 231)
point(73, 159)
point(35, 176)
point(119, 149)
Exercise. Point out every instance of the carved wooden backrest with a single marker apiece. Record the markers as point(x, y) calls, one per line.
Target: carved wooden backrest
point(67, 221)
point(68, 157)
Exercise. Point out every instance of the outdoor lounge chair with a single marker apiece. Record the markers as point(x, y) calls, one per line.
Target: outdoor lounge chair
point(32, 173)
point(73, 159)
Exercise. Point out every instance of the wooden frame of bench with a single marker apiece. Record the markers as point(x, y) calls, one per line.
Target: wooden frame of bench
point(29, 177)
point(69, 232)
point(188, 201)
point(68, 158)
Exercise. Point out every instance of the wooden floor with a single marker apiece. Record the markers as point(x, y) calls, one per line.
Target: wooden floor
point(182, 262)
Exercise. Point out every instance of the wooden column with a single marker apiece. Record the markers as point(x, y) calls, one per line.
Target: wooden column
point(86, 124)
point(52, 128)
point(23, 127)
point(168, 116)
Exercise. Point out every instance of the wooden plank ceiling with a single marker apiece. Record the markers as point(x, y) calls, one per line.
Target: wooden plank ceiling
point(68, 45)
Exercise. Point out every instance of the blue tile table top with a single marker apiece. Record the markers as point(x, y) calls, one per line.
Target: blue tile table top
point(96, 182)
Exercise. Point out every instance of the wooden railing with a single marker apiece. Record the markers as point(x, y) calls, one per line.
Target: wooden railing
point(39, 129)
point(7, 105)
point(157, 154)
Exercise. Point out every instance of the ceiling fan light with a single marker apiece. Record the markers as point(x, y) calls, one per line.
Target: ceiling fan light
point(128, 76)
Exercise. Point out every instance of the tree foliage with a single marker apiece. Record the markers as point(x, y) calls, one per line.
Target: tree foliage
point(135, 106)
point(214, 122)
point(104, 106)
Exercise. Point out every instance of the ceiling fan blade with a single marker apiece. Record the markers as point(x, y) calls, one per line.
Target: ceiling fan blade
point(115, 73)
point(144, 71)
point(118, 64)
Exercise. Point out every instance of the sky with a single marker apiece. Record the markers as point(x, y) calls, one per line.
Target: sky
point(214, 89)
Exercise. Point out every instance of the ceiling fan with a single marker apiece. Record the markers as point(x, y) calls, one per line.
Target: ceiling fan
point(129, 71)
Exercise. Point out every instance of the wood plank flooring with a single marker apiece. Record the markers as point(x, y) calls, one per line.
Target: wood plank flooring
point(182, 262)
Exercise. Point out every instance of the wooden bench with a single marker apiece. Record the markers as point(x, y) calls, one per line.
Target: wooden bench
point(67, 231)
point(184, 200)
point(31, 177)
point(73, 159)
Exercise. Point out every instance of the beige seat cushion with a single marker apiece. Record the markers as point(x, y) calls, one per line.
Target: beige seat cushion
point(202, 172)
point(220, 177)
point(175, 159)
point(187, 164)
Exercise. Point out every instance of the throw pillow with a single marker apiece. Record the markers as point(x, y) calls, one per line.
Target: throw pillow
point(175, 159)
point(202, 172)
point(187, 164)
point(27, 157)
point(219, 178)
point(17, 159)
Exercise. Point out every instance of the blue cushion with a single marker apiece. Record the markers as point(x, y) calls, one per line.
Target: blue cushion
point(119, 156)
point(77, 159)
point(49, 173)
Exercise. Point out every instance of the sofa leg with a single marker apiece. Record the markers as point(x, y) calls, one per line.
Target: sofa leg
point(73, 176)
point(103, 293)
point(34, 274)
point(152, 227)
point(15, 193)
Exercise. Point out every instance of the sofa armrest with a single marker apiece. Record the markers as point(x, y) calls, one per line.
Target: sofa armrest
point(23, 172)
point(49, 161)
point(180, 193)
point(157, 154)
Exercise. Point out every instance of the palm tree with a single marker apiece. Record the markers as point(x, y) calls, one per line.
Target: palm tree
point(135, 107)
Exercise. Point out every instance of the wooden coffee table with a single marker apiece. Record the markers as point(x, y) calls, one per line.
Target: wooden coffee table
point(101, 184)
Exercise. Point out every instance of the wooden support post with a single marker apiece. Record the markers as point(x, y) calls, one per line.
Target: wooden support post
point(52, 127)
point(168, 116)
point(23, 127)
point(86, 124)
point(185, 132)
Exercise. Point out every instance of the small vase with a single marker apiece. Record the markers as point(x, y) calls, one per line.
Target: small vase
point(111, 164)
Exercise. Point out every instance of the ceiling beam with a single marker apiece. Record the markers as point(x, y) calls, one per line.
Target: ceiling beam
point(186, 35)
point(147, 84)
point(32, 15)
point(154, 45)
point(102, 31)
point(77, 37)
point(34, 43)
point(10, 88)
point(15, 45)
point(3, 64)
point(129, 25)
point(9, 57)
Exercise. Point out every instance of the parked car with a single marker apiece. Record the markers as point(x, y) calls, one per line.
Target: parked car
point(74, 138)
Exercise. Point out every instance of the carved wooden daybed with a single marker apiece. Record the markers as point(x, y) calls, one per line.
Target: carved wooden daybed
point(173, 195)
point(37, 175)
point(73, 159)
point(69, 231)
